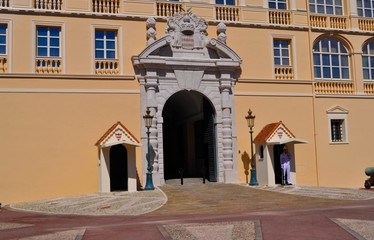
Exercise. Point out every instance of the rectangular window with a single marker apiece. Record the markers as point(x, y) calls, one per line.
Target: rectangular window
point(3, 39)
point(278, 4)
point(48, 42)
point(105, 44)
point(332, 7)
point(226, 2)
point(281, 50)
point(337, 130)
point(365, 8)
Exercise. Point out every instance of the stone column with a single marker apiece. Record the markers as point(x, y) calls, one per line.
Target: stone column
point(225, 87)
point(151, 87)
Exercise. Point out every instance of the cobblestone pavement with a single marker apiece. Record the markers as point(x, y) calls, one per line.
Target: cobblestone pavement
point(198, 211)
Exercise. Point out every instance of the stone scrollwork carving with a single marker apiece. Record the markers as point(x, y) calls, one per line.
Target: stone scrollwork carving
point(187, 31)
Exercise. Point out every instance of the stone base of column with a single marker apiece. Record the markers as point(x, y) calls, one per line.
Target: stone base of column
point(231, 176)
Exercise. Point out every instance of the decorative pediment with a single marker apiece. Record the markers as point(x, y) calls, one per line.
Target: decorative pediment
point(276, 133)
point(337, 109)
point(117, 134)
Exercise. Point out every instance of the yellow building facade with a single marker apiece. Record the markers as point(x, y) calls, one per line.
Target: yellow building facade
point(77, 77)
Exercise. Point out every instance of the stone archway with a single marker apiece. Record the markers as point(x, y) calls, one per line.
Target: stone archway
point(189, 137)
point(185, 59)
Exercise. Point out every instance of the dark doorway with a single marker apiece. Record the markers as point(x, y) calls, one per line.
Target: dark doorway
point(189, 137)
point(118, 168)
point(278, 149)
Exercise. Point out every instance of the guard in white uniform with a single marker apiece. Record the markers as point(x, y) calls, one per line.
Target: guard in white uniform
point(285, 159)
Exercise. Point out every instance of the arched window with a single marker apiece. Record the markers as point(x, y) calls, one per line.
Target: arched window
point(331, 59)
point(368, 60)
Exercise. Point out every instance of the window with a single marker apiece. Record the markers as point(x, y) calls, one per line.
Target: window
point(281, 50)
point(331, 59)
point(48, 41)
point(365, 8)
point(226, 2)
point(337, 130)
point(3, 39)
point(368, 60)
point(338, 117)
point(333, 7)
point(105, 44)
point(278, 4)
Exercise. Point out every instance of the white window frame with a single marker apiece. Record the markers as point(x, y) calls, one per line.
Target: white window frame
point(276, 2)
point(49, 37)
point(280, 48)
point(225, 3)
point(363, 8)
point(119, 44)
point(330, 66)
point(9, 41)
point(325, 5)
point(105, 40)
point(35, 24)
point(370, 56)
point(338, 113)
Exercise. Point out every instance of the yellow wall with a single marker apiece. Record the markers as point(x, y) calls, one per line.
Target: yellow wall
point(50, 123)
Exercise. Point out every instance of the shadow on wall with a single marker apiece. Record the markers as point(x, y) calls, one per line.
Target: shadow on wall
point(139, 186)
point(246, 163)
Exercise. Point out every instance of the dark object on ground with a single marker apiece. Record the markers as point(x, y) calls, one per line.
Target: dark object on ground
point(370, 181)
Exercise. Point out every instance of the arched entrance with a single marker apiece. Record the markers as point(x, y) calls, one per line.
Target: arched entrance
point(118, 168)
point(189, 136)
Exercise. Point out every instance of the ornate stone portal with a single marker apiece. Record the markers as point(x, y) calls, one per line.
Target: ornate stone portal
point(186, 59)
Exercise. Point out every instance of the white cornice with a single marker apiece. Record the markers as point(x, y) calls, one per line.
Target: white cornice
point(67, 76)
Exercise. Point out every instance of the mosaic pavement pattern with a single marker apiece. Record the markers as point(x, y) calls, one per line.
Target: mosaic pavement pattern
point(246, 230)
point(360, 229)
point(321, 192)
point(121, 203)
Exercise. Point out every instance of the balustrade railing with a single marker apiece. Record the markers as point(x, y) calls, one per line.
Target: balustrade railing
point(331, 87)
point(339, 22)
point(369, 88)
point(329, 22)
point(318, 21)
point(3, 64)
point(105, 6)
point(224, 13)
point(48, 65)
point(280, 17)
point(283, 73)
point(4, 3)
point(366, 24)
point(167, 9)
point(48, 4)
point(104, 66)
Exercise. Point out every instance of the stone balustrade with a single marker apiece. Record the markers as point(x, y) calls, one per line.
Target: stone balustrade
point(48, 4)
point(224, 13)
point(329, 22)
point(106, 6)
point(283, 73)
point(167, 9)
point(369, 88)
point(280, 17)
point(366, 24)
point(48, 65)
point(4, 3)
point(3, 64)
point(334, 87)
point(106, 66)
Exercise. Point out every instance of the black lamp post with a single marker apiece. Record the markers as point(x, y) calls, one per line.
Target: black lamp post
point(251, 122)
point(148, 123)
